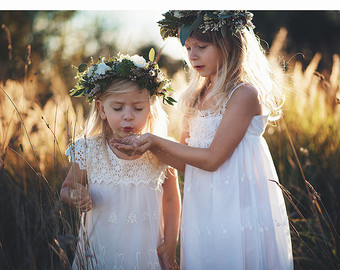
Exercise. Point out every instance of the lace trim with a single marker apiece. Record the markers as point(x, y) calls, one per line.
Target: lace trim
point(204, 124)
point(103, 166)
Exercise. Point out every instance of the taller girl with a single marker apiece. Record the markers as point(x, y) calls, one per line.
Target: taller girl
point(234, 215)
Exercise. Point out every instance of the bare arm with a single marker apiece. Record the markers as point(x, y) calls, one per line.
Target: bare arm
point(171, 216)
point(242, 107)
point(73, 190)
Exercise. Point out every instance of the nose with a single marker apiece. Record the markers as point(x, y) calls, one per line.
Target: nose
point(193, 54)
point(128, 115)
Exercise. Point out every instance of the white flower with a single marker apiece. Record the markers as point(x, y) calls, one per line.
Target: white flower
point(152, 73)
point(160, 77)
point(90, 71)
point(102, 68)
point(138, 61)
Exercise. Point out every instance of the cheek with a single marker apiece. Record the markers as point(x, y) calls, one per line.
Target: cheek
point(143, 119)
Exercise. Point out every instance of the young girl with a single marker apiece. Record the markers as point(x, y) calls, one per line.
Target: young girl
point(234, 216)
point(131, 204)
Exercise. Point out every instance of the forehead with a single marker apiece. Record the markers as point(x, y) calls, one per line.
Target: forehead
point(193, 41)
point(135, 96)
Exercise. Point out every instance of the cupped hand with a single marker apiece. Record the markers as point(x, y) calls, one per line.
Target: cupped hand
point(132, 145)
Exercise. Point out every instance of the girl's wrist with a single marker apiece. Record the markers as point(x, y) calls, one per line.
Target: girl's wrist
point(152, 139)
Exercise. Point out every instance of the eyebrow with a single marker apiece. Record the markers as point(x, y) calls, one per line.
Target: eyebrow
point(121, 102)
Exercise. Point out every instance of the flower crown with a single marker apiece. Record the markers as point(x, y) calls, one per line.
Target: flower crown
point(95, 78)
point(213, 20)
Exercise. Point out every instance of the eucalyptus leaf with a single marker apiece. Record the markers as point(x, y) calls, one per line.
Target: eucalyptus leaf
point(224, 31)
point(225, 16)
point(82, 67)
point(186, 30)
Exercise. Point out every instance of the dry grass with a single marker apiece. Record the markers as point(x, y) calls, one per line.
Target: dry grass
point(305, 146)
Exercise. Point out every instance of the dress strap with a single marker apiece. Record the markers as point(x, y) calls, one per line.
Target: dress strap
point(231, 93)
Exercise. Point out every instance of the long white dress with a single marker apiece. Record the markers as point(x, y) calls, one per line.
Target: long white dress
point(125, 226)
point(234, 217)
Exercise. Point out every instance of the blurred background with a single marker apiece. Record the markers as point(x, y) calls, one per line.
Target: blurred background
point(38, 119)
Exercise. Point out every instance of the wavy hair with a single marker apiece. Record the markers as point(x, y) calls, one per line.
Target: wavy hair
point(243, 61)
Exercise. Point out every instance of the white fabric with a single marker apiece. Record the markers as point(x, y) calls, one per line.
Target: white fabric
point(234, 217)
point(125, 225)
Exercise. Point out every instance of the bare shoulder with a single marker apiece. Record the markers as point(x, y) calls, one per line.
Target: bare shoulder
point(246, 91)
point(247, 95)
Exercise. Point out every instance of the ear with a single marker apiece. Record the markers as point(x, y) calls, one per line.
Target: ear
point(101, 110)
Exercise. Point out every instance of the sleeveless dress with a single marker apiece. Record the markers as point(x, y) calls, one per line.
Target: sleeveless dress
point(125, 226)
point(234, 217)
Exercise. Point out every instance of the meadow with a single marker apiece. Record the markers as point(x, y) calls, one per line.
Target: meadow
point(37, 124)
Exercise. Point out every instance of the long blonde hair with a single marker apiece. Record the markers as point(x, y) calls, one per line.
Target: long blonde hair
point(243, 61)
point(156, 122)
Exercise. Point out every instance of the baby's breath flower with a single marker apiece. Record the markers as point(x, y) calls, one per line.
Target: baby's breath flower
point(102, 68)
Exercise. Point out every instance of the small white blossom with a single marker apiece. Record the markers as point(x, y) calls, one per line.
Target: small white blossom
point(102, 68)
point(152, 73)
point(90, 71)
point(160, 77)
point(139, 61)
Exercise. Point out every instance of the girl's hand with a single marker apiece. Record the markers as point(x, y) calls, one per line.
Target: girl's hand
point(80, 197)
point(167, 256)
point(133, 145)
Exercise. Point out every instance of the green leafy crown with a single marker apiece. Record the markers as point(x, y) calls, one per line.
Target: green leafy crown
point(207, 20)
point(95, 78)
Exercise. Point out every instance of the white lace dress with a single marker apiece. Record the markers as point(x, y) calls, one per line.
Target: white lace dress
point(234, 217)
point(125, 226)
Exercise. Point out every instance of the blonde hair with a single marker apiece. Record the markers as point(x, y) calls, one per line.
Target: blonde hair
point(156, 122)
point(243, 61)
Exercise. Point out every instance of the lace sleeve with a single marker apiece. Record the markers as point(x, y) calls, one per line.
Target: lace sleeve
point(77, 153)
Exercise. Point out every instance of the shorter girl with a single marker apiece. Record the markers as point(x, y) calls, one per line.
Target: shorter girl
point(131, 204)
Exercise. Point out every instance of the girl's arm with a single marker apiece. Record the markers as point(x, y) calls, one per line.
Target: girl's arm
point(242, 107)
point(166, 158)
point(171, 216)
point(73, 190)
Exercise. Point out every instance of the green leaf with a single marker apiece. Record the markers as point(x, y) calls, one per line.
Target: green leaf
point(152, 55)
point(186, 30)
point(76, 92)
point(224, 31)
point(82, 67)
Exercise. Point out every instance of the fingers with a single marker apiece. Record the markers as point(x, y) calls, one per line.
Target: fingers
point(129, 140)
point(132, 150)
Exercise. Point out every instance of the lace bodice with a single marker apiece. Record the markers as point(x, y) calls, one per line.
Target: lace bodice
point(103, 166)
point(204, 124)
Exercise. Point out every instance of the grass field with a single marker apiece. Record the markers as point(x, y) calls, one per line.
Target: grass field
point(38, 232)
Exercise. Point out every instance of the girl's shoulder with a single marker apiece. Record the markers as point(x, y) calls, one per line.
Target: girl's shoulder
point(244, 90)
point(245, 95)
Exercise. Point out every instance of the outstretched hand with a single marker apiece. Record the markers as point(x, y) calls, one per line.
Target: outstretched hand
point(133, 145)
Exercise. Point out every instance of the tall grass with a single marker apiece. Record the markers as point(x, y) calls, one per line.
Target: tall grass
point(38, 232)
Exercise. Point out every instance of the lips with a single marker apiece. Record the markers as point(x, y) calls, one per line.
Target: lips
point(198, 67)
point(128, 129)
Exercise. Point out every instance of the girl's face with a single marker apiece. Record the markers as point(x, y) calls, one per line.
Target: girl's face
point(126, 113)
point(204, 57)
